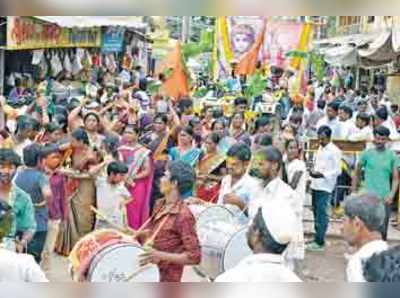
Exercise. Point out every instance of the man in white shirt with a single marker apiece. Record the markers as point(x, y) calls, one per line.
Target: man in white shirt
point(266, 166)
point(347, 125)
point(363, 131)
point(324, 176)
point(382, 118)
point(271, 231)
point(15, 267)
point(331, 120)
point(364, 218)
point(238, 187)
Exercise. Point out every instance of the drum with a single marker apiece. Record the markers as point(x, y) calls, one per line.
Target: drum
point(236, 249)
point(205, 214)
point(94, 252)
point(117, 263)
point(239, 215)
point(223, 245)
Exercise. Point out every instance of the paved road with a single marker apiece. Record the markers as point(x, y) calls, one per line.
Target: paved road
point(328, 266)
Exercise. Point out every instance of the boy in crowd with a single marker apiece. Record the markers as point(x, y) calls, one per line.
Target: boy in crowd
point(112, 195)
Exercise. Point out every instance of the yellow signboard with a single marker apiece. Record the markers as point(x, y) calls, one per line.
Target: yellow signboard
point(29, 33)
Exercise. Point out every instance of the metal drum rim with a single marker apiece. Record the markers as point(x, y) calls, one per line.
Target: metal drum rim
point(226, 246)
point(99, 256)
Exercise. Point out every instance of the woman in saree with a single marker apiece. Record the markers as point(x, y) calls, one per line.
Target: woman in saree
point(80, 193)
point(238, 131)
point(186, 151)
point(210, 170)
point(140, 176)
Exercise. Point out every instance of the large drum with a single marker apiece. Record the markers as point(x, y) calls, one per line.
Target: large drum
point(222, 235)
point(120, 263)
point(210, 213)
point(108, 256)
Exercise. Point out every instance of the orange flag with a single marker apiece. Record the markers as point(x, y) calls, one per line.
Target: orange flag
point(176, 84)
point(248, 62)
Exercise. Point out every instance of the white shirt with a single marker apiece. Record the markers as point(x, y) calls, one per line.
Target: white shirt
point(259, 268)
point(354, 270)
point(362, 134)
point(327, 162)
point(278, 190)
point(245, 188)
point(110, 199)
point(346, 129)
point(19, 268)
point(334, 125)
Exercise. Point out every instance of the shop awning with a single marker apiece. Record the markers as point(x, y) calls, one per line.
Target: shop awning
point(344, 55)
point(396, 37)
point(354, 39)
point(380, 50)
point(94, 21)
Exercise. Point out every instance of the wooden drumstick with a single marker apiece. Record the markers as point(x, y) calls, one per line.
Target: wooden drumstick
point(146, 223)
point(114, 225)
point(150, 241)
point(137, 272)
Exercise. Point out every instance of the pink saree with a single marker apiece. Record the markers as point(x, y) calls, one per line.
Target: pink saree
point(138, 211)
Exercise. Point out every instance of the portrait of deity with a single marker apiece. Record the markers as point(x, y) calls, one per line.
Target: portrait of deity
point(242, 38)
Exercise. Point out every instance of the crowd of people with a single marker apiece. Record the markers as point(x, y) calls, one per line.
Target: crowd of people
point(142, 159)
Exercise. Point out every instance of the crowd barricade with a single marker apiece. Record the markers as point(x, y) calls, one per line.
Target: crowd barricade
point(348, 148)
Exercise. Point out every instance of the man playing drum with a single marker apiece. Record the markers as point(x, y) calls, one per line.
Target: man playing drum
point(171, 231)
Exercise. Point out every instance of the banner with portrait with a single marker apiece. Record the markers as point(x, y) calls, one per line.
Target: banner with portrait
point(235, 36)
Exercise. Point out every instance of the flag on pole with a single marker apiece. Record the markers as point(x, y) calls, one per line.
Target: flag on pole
point(248, 62)
point(176, 84)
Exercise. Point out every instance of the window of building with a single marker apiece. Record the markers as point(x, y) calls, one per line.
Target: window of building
point(371, 19)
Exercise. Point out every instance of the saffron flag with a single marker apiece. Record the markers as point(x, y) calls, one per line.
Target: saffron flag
point(248, 62)
point(176, 85)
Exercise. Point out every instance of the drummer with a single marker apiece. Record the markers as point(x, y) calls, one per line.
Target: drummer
point(176, 243)
point(238, 187)
point(268, 237)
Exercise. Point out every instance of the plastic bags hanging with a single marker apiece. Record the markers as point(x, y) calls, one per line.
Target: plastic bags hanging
point(67, 66)
point(77, 64)
point(43, 67)
point(37, 56)
point(56, 65)
point(11, 80)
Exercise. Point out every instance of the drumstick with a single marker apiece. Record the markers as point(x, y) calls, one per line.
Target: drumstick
point(138, 271)
point(150, 241)
point(146, 222)
point(114, 225)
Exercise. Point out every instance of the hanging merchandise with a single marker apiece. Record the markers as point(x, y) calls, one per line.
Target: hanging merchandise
point(43, 67)
point(11, 80)
point(87, 60)
point(37, 56)
point(67, 66)
point(77, 63)
point(56, 65)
